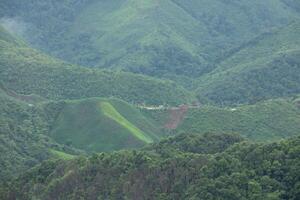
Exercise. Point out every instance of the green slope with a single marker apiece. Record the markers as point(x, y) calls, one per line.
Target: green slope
point(102, 125)
point(264, 68)
point(171, 38)
point(23, 140)
point(6, 36)
point(112, 113)
point(26, 71)
point(265, 121)
point(231, 44)
point(61, 155)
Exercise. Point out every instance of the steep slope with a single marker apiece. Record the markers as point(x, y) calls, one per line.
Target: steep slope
point(28, 71)
point(171, 38)
point(266, 67)
point(265, 121)
point(226, 169)
point(102, 125)
point(23, 143)
point(33, 129)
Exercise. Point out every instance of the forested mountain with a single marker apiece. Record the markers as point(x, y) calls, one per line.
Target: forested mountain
point(27, 71)
point(149, 99)
point(23, 139)
point(266, 67)
point(184, 167)
point(201, 45)
point(149, 36)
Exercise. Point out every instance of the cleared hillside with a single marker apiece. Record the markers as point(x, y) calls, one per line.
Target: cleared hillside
point(102, 125)
point(265, 121)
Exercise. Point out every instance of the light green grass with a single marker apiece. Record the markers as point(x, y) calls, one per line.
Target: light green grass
point(112, 113)
point(265, 121)
point(62, 155)
point(100, 124)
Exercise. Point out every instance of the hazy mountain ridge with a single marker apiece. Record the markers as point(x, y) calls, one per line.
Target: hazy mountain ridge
point(26, 71)
point(106, 33)
point(153, 37)
point(265, 68)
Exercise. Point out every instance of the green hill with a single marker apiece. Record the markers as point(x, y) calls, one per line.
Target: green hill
point(102, 125)
point(229, 168)
point(150, 99)
point(27, 71)
point(265, 121)
point(33, 129)
point(267, 67)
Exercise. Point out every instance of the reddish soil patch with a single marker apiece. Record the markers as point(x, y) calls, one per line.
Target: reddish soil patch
point(176, 116)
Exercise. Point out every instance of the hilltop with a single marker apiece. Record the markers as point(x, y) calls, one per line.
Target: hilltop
point(99, 124)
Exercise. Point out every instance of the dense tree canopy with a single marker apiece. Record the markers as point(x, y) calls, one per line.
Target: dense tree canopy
point(184, 167)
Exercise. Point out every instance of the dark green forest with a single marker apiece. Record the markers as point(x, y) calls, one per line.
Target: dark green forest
point(184, 167)
point(149, 99)
point(28, 71)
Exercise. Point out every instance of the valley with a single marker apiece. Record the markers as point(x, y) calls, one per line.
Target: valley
point(149, 99)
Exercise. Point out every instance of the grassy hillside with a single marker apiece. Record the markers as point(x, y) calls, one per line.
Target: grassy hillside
point(266, 67)
point(265, 121)
point(102, 125)
point(229, 168)
point(27, 71)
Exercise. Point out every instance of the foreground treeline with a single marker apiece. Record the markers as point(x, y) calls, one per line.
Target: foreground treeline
point(183, 167)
